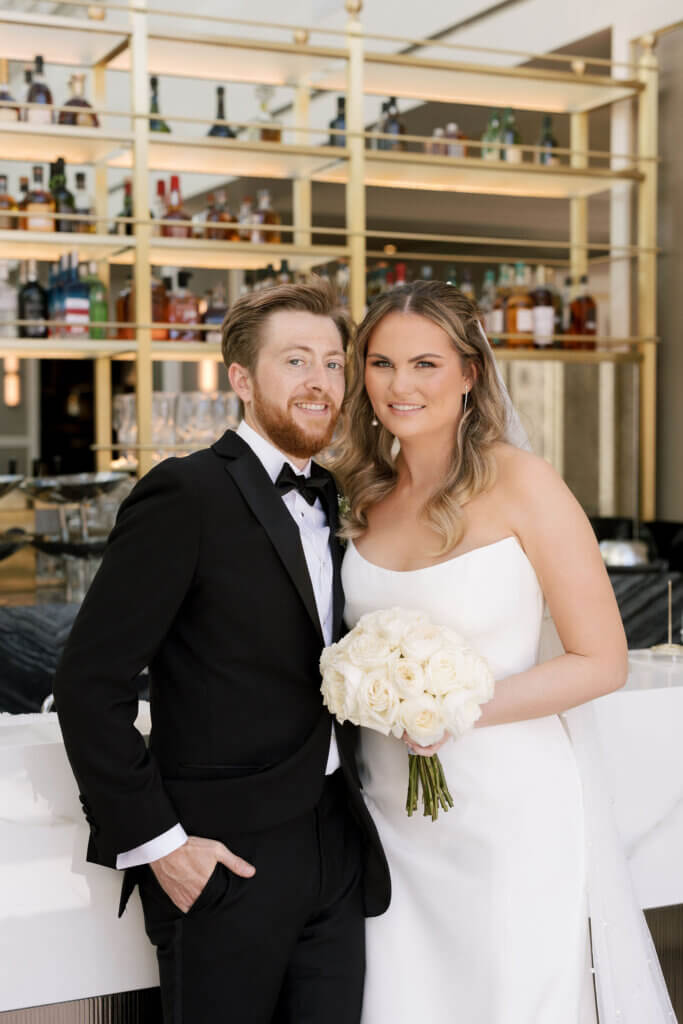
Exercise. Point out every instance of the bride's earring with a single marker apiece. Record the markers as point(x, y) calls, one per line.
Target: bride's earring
point(374, 421)
point(464, 408)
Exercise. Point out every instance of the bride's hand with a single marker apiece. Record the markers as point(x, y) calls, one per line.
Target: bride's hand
point(415, 748)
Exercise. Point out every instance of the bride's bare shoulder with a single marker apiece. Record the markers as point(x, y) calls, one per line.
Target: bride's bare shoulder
point(521, 473)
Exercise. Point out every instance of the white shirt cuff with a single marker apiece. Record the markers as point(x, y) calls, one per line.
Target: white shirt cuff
point(333, 761)
point(166, 843)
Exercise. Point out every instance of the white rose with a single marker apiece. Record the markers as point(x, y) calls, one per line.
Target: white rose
point(476, 676)
point(460, 712)
point(408, 678)
point(329, 656)
point(378, 702)
point(451, 640)
point(421, 642)
point(340, 687)
point(368, 650)
point(393, 623)
point(423, 720)
point(443, 671)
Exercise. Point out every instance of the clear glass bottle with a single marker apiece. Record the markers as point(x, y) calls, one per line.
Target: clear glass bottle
point(214, 315)
point(264, 129)
point(8, 203)
point(245, 219)
point(455, 140)
point(519, 311)
point(39, 92)
point(82, 114)
point(499, 311)
point(183, 310)
point(160, 206)
point(33, 304)
point(393, 125)
point(176, 211)
point(8, 303)
point(221, 131)
point(37, 203)
point(548, 143)
point(467, 286)
point(491, 136)
point(99, 306)
point(12, 113)
point(378, 127)
point(156, 124)
point(339, 123)
point(84, 206)
point(437, 145)
point(543, 312)
point(511, 153)
point(63, 198)
point(264, 215)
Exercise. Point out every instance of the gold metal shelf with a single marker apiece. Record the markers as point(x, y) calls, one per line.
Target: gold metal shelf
point(210, 255)
point(63, 348)
point(240, 59)
point(475, 175)
point(49, 245)
point(206, 155)
point(558, 355)
point(72, 41)
point(20, 141)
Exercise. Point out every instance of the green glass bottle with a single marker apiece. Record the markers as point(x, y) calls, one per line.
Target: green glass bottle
point(99, 307)
point(156, 124)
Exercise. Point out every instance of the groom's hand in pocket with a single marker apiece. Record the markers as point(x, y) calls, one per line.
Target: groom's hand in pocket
point(183, 873)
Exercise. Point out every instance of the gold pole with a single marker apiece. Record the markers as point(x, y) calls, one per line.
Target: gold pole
point(355, 187)
point(301, 186)
point(102, 363)
point(143, 232)
point(647, 276)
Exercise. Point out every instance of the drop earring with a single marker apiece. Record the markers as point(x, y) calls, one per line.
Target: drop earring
point(374, 422)
point(464, 408)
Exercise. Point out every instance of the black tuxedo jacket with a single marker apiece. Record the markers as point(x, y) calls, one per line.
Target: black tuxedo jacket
point(204, 580)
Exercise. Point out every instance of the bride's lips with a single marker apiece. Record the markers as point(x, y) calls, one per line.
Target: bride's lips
point(405, 408)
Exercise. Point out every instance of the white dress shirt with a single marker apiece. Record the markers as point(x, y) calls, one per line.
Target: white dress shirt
point(315, 540)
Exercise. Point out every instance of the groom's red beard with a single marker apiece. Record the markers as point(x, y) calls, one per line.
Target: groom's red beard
point(286, 434)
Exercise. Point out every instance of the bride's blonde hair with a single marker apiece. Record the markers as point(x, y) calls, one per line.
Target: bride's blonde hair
point(364, 464)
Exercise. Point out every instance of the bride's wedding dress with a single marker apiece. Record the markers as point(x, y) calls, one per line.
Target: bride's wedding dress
point(488, 922)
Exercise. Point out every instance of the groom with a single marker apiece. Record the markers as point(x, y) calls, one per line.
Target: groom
point(243, 824)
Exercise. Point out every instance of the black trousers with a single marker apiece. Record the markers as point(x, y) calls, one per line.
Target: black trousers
point(284, 947)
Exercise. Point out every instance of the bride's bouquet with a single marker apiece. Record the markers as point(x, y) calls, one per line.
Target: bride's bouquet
point(397, 672)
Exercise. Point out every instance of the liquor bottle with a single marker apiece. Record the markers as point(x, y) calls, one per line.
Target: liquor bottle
point(546, 155)
point(22, 201)
point(39, 92)
point(265, 214)
point(63, 198)
point(222, 131)
point(467, 287)
point(7, 113)
point(437, 145)
point(543, 313)
point(84, 206)
point(378, 127)
point(82, 114)
point(8, 303)
point(33, 305)
point(342, 278)
point(512, 154)
point(498, 312)
point(392, 126)
point(156, 124)
point(160, 295)
point(76, 300)
point(55, 298)
point(426, 272)
point(122, 228)
point(452, 275)
point(557, 303)
point(123, 310)
point(215, 315)
point(492, 135)
point(98, 305)
point(182, 310)
point(519, 323)
point(567, 296)
point(222, 215)
point(7, 202)
point(263, 130)
point(487, 301)
point(583, 319)
point(160, 206)
point(176, 211)
point(284, 274)
point(454, 140)
point(339, 122)
point(37, 204)
point(245, 218)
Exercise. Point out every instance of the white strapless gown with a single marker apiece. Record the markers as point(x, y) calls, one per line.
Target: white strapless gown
point(488, 920)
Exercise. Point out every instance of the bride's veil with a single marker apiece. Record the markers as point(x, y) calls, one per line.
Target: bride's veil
point(629, 985)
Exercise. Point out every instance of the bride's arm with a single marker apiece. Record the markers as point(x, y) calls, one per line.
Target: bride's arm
point(561, 545)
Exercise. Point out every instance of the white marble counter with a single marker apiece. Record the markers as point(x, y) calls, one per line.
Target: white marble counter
point(59, 935)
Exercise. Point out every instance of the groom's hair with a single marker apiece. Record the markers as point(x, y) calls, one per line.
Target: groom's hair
point(242, 333)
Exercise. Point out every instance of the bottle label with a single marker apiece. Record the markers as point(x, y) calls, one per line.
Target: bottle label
point(513, 155)
point(37, 116)
point(76, 316)
point(456, 149)
point(525, 320)
point(543, 318)
point(35, 222)
point(494, 322)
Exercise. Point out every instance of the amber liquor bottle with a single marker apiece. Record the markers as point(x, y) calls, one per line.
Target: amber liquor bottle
point(519, 312)
point(176, 212)
point(265, 214)
point(7, 203)
point(583, 317)
point(37, 204)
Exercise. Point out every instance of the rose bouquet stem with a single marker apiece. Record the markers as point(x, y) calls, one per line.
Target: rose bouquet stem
point(429, 772)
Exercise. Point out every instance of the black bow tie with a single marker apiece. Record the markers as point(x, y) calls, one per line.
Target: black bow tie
point(309, 487)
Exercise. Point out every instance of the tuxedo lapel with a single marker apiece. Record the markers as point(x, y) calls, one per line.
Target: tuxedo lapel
point(265, 502)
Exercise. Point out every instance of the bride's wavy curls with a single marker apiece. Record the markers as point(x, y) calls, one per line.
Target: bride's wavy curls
point(364, 464)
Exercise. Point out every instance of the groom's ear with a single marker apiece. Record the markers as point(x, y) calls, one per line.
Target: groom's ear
point(240, 382)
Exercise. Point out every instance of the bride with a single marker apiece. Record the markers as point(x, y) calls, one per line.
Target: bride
point(489, 916)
